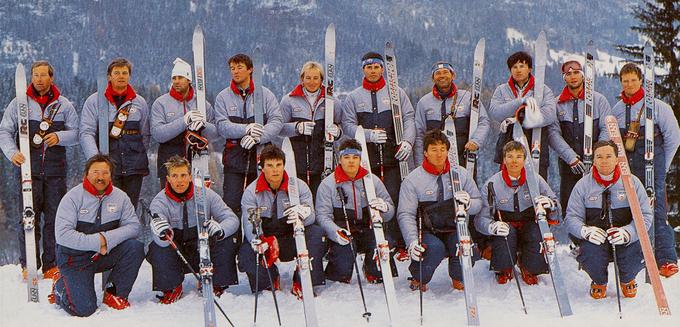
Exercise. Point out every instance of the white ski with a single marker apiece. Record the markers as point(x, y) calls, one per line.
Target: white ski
point(475, 101)
point(329, 101)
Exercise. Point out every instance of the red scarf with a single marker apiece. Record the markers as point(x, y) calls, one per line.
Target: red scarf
point(529, 86)
point(374, 86)
point(635, 98)
point(262, 184)
point(341, 176)
point(453, 92)
point(237, 91)
point(428, 167)
point(175, 95)
point(299, 92)
point(43, 100)
point(177, 197)
point(129, 93)
point(508, 181)
point(92, 190)
point(566, 95)
point(598, 179)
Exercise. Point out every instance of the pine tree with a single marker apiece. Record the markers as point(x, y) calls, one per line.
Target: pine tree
point(660, 23)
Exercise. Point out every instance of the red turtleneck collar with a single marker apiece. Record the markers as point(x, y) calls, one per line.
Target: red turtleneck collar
point(530, 85)
point(341, 176)
point(566, 95)
point(299, 92)
point(234, 88)
point(508, 181)
point(374, 86)
point(43, 100)
point(428, 167)
point(453, 92)
point(635, 98)
point(92, 190)
point(175, 95)
point(598, 179)
point(129, 93)
point(262, 184)
point(179, 198)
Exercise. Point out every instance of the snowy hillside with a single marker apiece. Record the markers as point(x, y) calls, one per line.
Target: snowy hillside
point(340, 304)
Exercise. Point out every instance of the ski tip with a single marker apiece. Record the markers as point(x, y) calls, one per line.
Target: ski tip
point(20, 66)
point(389, 44)
point(590, 43)
point(331, 26)
point(198, 29)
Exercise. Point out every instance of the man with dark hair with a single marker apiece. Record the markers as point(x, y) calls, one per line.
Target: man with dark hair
point(629, 112)
point(96, 230)
point(369, 106)
point(174, 219)
point(266, 199)
point(514, 218)
point(235, 120)
point(52, 126)
point(518, 94)
point(176, 119)
point(427, 194)
point(446, 100)
point(567, 135)
point(128, 129)
point(342, 210)
point(599, 214)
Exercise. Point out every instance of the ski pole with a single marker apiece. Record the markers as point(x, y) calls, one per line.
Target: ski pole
point(366, 314)
point(606, 210)
point(257, 230)
point(165, 237)
point(309, 172)
point(420, 263)
point(494, 211)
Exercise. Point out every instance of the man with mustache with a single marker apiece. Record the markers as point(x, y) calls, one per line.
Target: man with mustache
point(53, 125)
point(96, 229)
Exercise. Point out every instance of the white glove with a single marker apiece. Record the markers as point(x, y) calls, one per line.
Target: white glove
point(197, 120)
point(344, 236)
point(259, 246)
point(296, 212)
point(214, 229)
point(377, 136)
point(545, 202)
point(532, 114)
point(305, 127)
point(593, 234)
point(507, 122)
point(196, 125)
point(403, 151)
point(187, 117)
point(160, 227)
point(335, 131)
point(618, 236)
point(463, 198)
point(416, 251)
point(255, 130)
point(577, 167)
point(499, 228)
point(247, 142)
point(378, 204)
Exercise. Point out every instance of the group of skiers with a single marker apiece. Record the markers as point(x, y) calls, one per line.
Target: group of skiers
point(93, 227)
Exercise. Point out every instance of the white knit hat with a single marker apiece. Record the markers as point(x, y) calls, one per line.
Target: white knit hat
point(182, 68)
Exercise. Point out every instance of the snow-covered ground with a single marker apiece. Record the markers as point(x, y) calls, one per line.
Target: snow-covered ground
point(340, 304)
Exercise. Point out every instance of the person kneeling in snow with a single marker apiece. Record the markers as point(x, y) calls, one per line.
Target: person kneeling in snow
point(428, 191)
point(599, 213)
point(514, 218)
point(95, 230)
point(174, 220)
point(268, 226)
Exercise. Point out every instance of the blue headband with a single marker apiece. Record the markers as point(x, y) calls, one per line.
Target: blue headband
point(370, 61)
point(441, 65)
point(347, 151)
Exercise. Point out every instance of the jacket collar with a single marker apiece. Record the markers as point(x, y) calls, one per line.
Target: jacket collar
point(43, 100)
point(635, 98)
point(175, 95)
point(428, 167)
point(129, 94)
point(179, 197)
point(262, 185)
point(453, 92)
point(566, 95)
point(299, 92)
point(234, 88)
point(598, 178)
